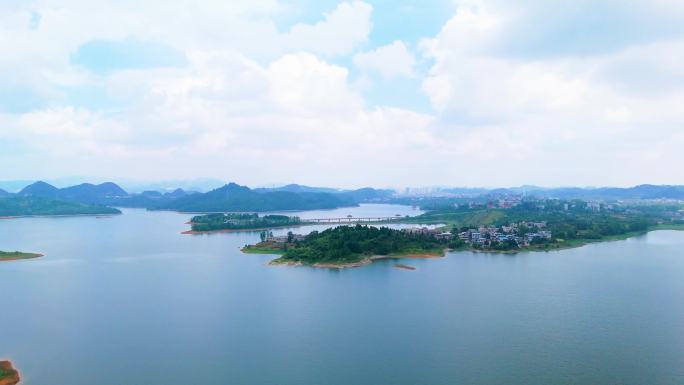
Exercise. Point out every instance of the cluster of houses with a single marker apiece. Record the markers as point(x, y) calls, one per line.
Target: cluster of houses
point(677, 215)
point(502, 203)
point(269, 237)
point(438, 234)
point(485, 236)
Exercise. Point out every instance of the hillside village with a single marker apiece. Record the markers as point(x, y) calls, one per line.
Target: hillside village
point(513, 235)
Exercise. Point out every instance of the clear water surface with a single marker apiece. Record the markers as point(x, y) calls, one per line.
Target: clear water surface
point(129, 300)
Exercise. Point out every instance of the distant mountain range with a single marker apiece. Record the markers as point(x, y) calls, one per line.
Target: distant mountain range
point(130, 185)
point(297, 188)
point(109, 194)
point(84, 193)
point(231, 197)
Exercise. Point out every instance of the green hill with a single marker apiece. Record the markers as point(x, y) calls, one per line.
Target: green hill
point(31, 205)
point(233, 197)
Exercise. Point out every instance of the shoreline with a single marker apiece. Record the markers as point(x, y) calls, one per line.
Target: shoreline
point(102, 215)
point(363, 262)
point(577, 243)
point(193, 232)
point(368, 260)
point(22, 256)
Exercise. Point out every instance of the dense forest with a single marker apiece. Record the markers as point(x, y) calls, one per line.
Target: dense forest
point(25, 206)
point(231, 197)
point(345, 244)
point(237, 221)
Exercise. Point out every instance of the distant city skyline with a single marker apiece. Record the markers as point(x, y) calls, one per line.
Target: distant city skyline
point(480, 93)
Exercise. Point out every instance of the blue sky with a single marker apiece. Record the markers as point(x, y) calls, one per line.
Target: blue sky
point(392, 20)
point(106, 56)
point(383, 93)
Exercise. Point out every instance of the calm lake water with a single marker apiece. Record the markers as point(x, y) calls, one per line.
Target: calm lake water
point(128, 300)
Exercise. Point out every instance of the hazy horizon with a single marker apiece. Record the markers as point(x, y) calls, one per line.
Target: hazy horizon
point(206, 184)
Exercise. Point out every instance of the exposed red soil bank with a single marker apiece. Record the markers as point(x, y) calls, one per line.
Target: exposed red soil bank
point(8, 375)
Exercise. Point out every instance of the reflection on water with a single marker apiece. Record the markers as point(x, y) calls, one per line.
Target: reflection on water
point(129, 300)
point(363, 210)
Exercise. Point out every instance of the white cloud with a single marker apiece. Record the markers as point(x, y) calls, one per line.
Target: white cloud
point(262, 104)
point(303, 84)
point(342, 30)
point(559, 119)
point(69, 123)
point(296, 118)
point(39, 58)
point(392, 60)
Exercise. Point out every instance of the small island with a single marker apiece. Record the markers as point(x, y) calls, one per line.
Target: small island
point(221, 222)
point(17, 255)
point(8, 375)
point(350, 246)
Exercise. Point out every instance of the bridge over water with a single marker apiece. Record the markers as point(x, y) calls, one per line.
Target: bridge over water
point(352, 219)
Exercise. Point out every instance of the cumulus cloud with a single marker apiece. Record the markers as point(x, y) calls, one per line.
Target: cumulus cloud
point(342, 30)
point(511, 102)
point(392, 60)
point(302, 84)
point(545, 29)
point(230, 116)
point(42, 55)
point(554, 115)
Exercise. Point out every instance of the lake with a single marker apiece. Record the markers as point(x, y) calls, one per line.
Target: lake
point(129, 300)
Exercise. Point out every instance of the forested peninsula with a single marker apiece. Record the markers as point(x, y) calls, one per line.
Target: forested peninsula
point(535, 225)
point(18, 206)
point(349, 246)
point(228, 198)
